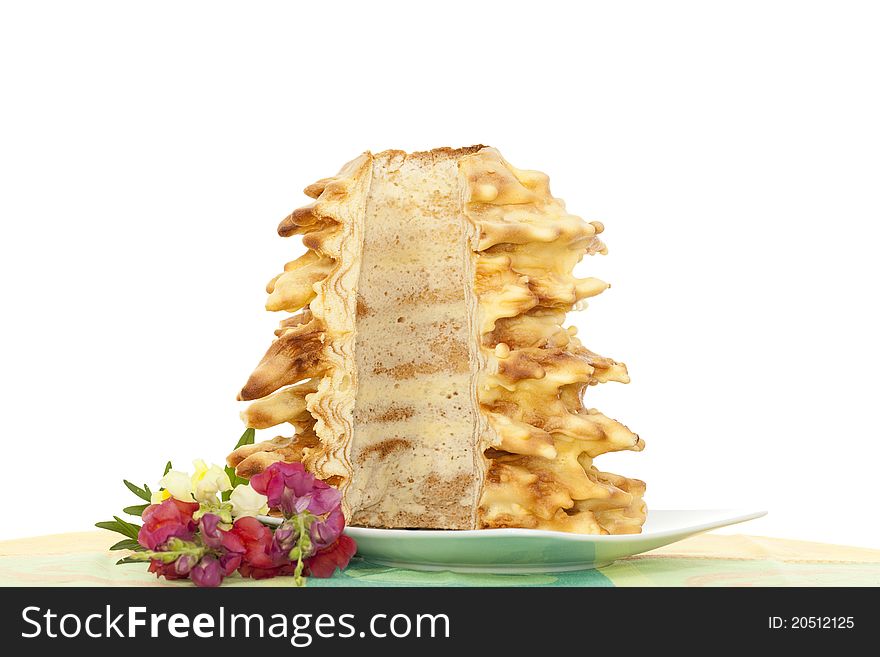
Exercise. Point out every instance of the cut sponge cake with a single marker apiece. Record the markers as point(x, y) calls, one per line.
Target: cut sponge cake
point(425, 368)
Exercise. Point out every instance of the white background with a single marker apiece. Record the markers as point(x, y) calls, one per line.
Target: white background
point(148, 151)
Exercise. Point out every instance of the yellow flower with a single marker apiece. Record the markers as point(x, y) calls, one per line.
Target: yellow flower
point(159, 496)
point(208, 482)
point(201, 470)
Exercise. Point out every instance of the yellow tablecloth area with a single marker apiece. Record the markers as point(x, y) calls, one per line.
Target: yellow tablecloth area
point(82, 559)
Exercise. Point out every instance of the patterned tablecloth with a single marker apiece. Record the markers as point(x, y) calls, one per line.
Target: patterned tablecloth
point(708, 560)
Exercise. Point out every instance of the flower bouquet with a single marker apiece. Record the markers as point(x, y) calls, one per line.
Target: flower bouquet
point(207, 525)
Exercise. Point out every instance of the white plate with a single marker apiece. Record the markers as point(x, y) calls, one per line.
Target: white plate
point(531, 550)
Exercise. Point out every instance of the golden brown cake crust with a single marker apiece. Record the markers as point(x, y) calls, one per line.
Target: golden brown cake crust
point(441, 153)
point(541, 439)
point(305, 377)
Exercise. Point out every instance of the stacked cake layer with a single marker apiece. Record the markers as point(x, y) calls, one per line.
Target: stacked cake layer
point(414, 447)
point(426, 370)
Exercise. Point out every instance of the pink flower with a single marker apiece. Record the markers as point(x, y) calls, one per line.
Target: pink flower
point(230, 561)
point(325, 532)
point(284, 538)
point(208, 572)
point(166, 520)
point(184, 564)
point(229, 554)
point(325, 498)
point(253, 541)
point(210, 530)
point(289, 487)
point(325, 563)
point(233, 542)
point(247, 570)
point(166, 570)
point(206, 553)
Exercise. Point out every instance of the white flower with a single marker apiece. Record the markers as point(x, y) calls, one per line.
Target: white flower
point(203, 486)
point(207, 482)
point(178, 484)
point(248, 502)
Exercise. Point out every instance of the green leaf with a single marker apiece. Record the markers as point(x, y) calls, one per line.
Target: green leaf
point(120, 526)
point(235, 480)
point(127, 560)
point(113, 526)
point(140, 492)
point(135, 510)
point(167, 468)
point(127, 544)
point(127, 528)
point(148, 491)
point(247, 438)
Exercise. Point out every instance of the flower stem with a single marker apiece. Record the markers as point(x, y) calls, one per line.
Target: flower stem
point(303, 543)
point(176, 549)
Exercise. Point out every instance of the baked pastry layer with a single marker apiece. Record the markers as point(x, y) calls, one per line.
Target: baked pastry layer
point(427, 372)
point(542, 440)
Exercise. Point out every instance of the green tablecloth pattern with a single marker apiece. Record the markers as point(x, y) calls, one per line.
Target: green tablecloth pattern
point(709, 560)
